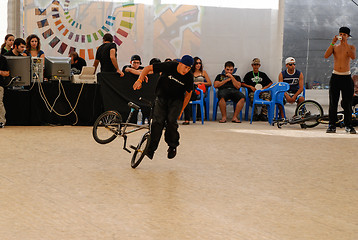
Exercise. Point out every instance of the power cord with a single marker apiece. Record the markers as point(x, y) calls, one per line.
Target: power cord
point(50, 107)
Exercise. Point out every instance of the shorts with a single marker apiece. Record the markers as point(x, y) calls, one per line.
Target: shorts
point(291, 95)
point(232, 94)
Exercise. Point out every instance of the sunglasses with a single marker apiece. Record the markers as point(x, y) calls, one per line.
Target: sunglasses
point(198, 63)
point(290, 64)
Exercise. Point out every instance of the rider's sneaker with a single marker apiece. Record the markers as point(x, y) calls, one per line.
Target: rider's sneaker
point(331, 129)
point(2, 125)
point(150, 154)
point(172, 152)
point(350, 130)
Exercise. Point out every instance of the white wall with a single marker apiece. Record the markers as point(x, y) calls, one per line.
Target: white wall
point(3, 19)
point(212, 33)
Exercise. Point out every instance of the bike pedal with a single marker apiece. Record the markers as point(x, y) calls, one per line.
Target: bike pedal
point(132, 147)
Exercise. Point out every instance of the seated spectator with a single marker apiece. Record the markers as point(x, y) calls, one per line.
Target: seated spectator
point(33, 47)
point(295, 79)
point(4, 72)
point(77, 63)
point(18, 48)
point(135, 67)
point(228, 86)
point(256, 80)
point(7, 45)
point(168, 60)
point(154, 60)
point(201, 78)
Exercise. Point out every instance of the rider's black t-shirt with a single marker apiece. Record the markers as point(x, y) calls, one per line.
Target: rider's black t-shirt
point(172, 84)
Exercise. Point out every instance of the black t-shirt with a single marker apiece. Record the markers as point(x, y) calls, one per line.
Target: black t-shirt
point(77, 67)
point(229, 84)
point(3, 50)
point(172, 84)
point(103, 55)
point(258, 78)
point(11, 53)
point(3, 67)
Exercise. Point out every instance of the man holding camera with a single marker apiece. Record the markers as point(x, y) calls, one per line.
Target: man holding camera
point(341, 80)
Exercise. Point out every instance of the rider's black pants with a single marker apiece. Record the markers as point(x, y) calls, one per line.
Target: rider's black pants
point(165, 114)
point(337, 84)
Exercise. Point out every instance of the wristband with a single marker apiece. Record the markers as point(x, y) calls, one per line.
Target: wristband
point(332, 44)
point(140, 80)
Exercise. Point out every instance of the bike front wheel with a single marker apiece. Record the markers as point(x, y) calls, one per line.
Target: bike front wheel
point(107, 127)
point(310, 110)
point(140, 150)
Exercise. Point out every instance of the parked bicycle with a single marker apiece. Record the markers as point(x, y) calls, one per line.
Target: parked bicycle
point(109, 125)
point(310, 113)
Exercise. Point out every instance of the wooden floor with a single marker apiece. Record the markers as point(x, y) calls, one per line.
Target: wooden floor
point(228, 181)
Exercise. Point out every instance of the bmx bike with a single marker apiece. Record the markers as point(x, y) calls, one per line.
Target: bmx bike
point(109, 125)
point(309, 114)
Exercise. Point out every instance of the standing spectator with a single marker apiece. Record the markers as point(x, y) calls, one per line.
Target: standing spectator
point(7, 45)
point(4, 72)
point(256, 80)
point(77, 63)
point(33, 47)
point(107, 55)
point(18, 48)
point(229, 89)
point(201, 79)
point(341, 80)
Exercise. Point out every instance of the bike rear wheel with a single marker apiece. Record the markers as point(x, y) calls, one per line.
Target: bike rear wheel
point(140, 150)
point(107, 126)
point(307, 109)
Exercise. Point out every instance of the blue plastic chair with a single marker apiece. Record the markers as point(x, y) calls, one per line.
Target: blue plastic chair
point(277, 91)
point(207, 103)
point(216, 102)
point(199, 102)
point(247, 104)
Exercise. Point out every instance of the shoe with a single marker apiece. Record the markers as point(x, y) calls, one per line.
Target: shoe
point(172, 152)
point(331, 129)
point(2, 125)
point(150, 154)
point(350, 130)
point(256, 117)
point(263, 118)
point(186, 123)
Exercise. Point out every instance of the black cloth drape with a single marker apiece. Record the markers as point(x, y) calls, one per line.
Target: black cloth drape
point(117, 91)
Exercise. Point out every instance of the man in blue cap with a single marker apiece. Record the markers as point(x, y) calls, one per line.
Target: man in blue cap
point(173, 93)
point(341, 80)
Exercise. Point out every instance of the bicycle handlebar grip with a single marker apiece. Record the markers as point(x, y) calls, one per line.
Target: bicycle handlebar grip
point(133, 105)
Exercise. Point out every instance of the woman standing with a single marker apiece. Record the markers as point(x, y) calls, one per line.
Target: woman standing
point(33, 47)
point(7, 45)
point(201, 79)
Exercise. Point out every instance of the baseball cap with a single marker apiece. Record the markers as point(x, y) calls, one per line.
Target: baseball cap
point(290, 60)
point(345, 30)
point(187, 60)
point(136, 57)
point(256, 61)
